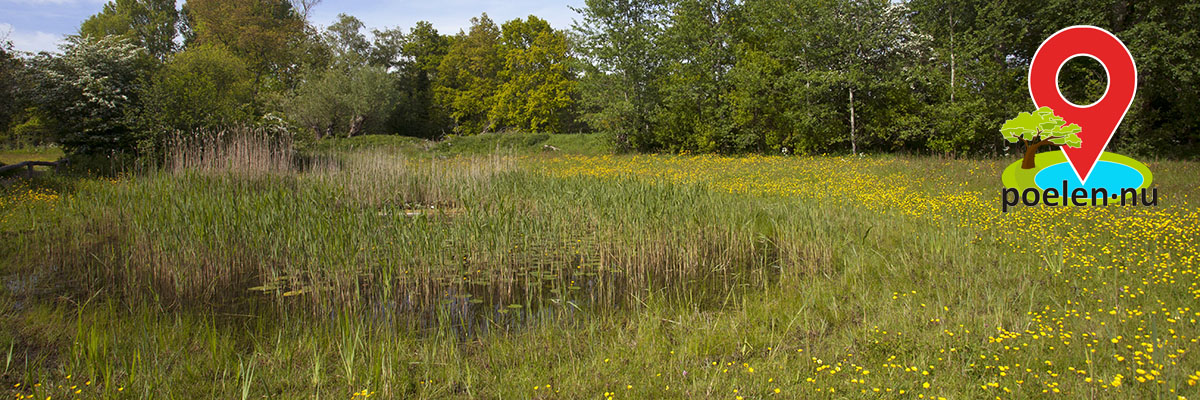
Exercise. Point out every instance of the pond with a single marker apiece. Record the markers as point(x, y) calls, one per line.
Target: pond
point(1106, 175)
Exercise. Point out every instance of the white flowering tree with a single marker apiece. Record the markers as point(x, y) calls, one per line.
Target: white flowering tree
point(88, 92)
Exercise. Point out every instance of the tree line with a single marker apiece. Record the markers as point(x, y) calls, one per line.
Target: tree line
point(726, 76)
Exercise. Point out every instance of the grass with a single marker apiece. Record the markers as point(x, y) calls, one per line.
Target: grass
point(524, 143)
point(41, 153)
point(389, 143)
point(372, 274)
point(509, 143)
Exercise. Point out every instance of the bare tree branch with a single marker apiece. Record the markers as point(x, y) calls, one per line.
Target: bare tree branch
point(304, 7)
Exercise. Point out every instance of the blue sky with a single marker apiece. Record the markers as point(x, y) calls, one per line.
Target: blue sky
point(36, 25)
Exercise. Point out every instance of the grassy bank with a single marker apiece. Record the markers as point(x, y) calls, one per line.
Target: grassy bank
point(474, 145)
point(551, 276)
point(44, 153)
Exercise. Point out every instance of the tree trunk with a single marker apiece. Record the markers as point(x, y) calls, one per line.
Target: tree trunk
point(356, 124)
point(853, 142)
point(1031, 153)
point(951, 56)
point(951, 77)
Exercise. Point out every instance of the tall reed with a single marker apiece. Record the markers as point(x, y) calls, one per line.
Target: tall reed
point(240, 150)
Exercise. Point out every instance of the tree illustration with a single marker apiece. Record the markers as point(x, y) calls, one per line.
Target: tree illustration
point(1038, 129)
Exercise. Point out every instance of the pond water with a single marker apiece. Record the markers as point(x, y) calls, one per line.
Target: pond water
point(1108, 175)
point(540, 281)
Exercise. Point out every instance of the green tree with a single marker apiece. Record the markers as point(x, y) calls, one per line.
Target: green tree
point(416, 57)
point(10, 68)
point(811, 75)
point(863, 47)
point(1162, 36)
point(264, 33)
point(695, 113)
point(89, 92)
point(776, 96)
point(469, 77)
point(148, 23)
point(619, 39)
point(768, 105)
point(347, 101)
point(1038, 129)
point(29, 127)
point(538, 89)
point(347, 40)
point(387, 50)
point(977, 67)
point(204, 86)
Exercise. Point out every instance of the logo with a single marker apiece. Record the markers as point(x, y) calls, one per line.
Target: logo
point(1082, 173)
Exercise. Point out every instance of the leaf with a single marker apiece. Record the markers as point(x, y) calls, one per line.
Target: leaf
point(1071, 129)
point(1042, 123)
point(298, 292)
point(1024, 126)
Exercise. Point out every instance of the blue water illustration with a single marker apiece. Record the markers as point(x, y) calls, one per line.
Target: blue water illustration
point(1108, 175)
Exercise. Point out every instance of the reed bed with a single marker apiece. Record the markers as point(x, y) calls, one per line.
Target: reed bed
point(237, 150)
point(230, 225)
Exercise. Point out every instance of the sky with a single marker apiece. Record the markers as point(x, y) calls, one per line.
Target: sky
point(39, 25)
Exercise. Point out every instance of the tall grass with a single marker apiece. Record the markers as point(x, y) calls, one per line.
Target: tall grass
point(239, 150)
point(223, 276)
point(233, 225)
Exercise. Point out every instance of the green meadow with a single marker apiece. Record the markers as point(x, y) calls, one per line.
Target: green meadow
point(498, 268)
point(596, 199)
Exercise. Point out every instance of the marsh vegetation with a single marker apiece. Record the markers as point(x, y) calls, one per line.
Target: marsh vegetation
point(408, 274)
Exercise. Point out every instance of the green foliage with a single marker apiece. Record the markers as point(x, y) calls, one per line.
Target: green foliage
point(759, 103)
point(90, 92)
point(418, 56)
point(1041, 125)
point(975, 76)
point(10, 68)
point(538, 90)
point(619, 38)
point(1162, 36)
point(808, 76)
point(698, 44)
point(338, 101)
point(33, 129)
point(346, 39)
point(712, 75)
point(519, 77)
point(205, 86)
point(148, 23)
point(469, 77)
point(261, 32)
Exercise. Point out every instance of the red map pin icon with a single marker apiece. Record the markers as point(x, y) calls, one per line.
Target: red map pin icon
point(1098, 120)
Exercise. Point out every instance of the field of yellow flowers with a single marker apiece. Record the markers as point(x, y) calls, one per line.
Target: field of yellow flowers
point(1113, 313)
point(645, 276)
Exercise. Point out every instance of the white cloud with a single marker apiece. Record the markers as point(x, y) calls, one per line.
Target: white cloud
point(30, 41)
